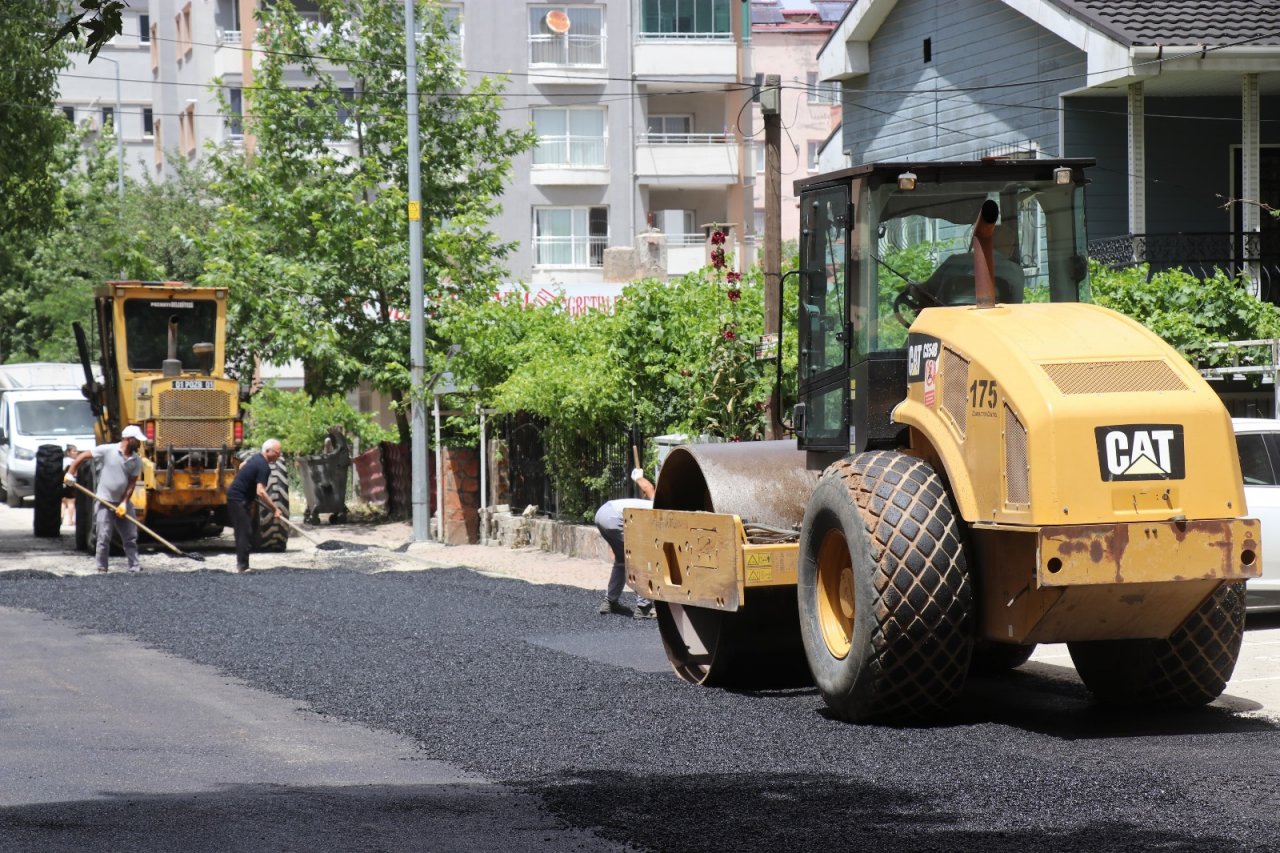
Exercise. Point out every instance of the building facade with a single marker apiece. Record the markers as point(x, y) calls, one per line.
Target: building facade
point(638, 106)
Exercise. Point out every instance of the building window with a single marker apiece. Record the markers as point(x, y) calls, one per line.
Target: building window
point(144, 29)
point(450, 21)
point(148, 122)
point(686, 19)
point(669, 128)
point(819, 92)
point(570, 136)
point(815, 148)
point(570, 236)
point(187, 129)
point(108, 118)
point(566, 35)
point(760, 149)
point(69, 113)
point(235, 105)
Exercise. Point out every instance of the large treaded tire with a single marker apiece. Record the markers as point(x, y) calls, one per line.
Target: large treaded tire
point(1190, 668)
point(47, 518)
point(86, 508)
point(884, 594)
point(270, 533)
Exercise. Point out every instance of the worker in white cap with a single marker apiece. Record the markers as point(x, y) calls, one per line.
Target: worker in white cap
point(118, 465)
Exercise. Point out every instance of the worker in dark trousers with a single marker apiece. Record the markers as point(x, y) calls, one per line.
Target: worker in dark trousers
point(250, 485)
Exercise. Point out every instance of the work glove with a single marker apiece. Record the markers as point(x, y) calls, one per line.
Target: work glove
point(637, 474)
point(69, 479)
point(123, 509)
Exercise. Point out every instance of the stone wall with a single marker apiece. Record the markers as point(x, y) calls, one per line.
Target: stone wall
point(502, 529)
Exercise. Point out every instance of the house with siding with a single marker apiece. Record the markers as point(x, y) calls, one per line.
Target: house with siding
point(1170, 98)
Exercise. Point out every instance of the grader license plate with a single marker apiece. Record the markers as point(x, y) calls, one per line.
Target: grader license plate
point(193, 384)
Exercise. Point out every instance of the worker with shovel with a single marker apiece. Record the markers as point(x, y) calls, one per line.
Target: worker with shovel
point(121, 465)
point(249, 485)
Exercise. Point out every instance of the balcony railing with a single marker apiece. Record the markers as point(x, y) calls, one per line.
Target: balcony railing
point(570, 152)
point(685, 139)
point(567, 50)
point(569, 251)
point(228, 38)
point(708, 36)
point(1198, 253)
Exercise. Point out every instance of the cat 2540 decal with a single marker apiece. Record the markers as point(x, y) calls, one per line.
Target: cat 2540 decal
point(1141, 452)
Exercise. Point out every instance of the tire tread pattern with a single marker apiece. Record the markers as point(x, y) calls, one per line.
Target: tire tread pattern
point(923, 637)
point(272, 534)
point(47, 518)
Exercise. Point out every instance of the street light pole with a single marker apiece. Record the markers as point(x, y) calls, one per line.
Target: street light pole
point(417, 303)
point(117, 130)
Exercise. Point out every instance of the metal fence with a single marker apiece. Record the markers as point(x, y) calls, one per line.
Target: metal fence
point(602, 469)
point(1198, 253)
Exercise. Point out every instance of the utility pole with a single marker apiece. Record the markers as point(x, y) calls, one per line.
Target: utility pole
point(417, 303)
point(770, 107)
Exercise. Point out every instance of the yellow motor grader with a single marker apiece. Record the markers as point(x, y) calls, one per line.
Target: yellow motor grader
point(983, 462)
point(161, 350)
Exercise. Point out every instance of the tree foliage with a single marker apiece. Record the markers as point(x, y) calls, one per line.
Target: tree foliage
point(31, 131)
point(1189, 312)
point(97, 22)
point(301, 423)
point(312, 237)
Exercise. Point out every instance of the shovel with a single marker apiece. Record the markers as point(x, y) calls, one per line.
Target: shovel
point(286, 520)
point(199, 558)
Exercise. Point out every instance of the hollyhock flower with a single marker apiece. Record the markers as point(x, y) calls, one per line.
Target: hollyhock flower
point(717, 238)
point(717, 257)
point(733, 277)
point(734, 294)
point(730, 334)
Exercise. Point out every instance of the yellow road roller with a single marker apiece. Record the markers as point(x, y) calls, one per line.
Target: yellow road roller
point(983, 461)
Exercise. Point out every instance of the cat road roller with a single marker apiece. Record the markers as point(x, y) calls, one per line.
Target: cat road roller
point(983, 461)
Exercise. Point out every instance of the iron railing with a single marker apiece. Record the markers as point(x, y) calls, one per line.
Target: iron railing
point(605, 461)
point(1198, 253)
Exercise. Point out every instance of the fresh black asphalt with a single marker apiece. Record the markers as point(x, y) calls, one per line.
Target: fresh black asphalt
point(527, 685)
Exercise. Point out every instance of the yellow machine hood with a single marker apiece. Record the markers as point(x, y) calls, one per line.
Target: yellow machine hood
point(1095, 418)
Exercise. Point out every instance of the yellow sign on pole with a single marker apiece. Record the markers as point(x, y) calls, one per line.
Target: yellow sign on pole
point(415, 211)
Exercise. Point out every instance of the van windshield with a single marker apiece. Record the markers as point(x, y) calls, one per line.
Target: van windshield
point(54, 417)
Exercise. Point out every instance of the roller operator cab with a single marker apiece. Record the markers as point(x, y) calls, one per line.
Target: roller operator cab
point(983, 462)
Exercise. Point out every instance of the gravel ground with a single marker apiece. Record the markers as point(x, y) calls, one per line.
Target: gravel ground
point(513, 681)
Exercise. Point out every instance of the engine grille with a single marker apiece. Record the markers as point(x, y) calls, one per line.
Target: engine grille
point(955, 383)
point(193, 419)
point(1113, 377)
point(1017, 487)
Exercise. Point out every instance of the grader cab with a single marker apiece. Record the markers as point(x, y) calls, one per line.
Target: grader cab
point(983, 462)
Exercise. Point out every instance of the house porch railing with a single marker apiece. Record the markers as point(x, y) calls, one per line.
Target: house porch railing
point(1199, 253)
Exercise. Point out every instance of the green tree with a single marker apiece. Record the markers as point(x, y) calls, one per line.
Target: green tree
point(312, 237)
point(97, 22)
point(97, 237)
point(31, 130)
point(1189, 312)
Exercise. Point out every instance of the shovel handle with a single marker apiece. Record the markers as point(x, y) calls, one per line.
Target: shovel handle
point(140, 525)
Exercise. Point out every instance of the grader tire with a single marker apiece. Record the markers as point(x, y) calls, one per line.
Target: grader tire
point(271, 533)
point(884, 594)
point(1190, 668)
point(86, 508)
point(47, 518)
point(990, 658)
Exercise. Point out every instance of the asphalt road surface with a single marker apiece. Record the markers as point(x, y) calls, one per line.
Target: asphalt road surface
point(350, 709)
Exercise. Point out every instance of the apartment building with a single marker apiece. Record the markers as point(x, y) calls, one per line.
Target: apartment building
point(786, 36)
point(640, 108)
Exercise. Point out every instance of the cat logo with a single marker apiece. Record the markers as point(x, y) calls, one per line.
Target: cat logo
point(1141, 452)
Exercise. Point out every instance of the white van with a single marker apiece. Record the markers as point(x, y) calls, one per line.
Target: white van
point(40, 403)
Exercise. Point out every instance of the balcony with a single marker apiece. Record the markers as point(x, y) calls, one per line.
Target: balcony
point(567, 59)
point(687, 159)
point(664, 60)
point(228, 58)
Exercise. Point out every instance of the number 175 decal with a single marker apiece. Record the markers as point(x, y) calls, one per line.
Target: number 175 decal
point(982, 394)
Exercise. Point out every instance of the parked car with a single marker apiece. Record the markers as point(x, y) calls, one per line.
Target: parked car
point(1258, 440)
